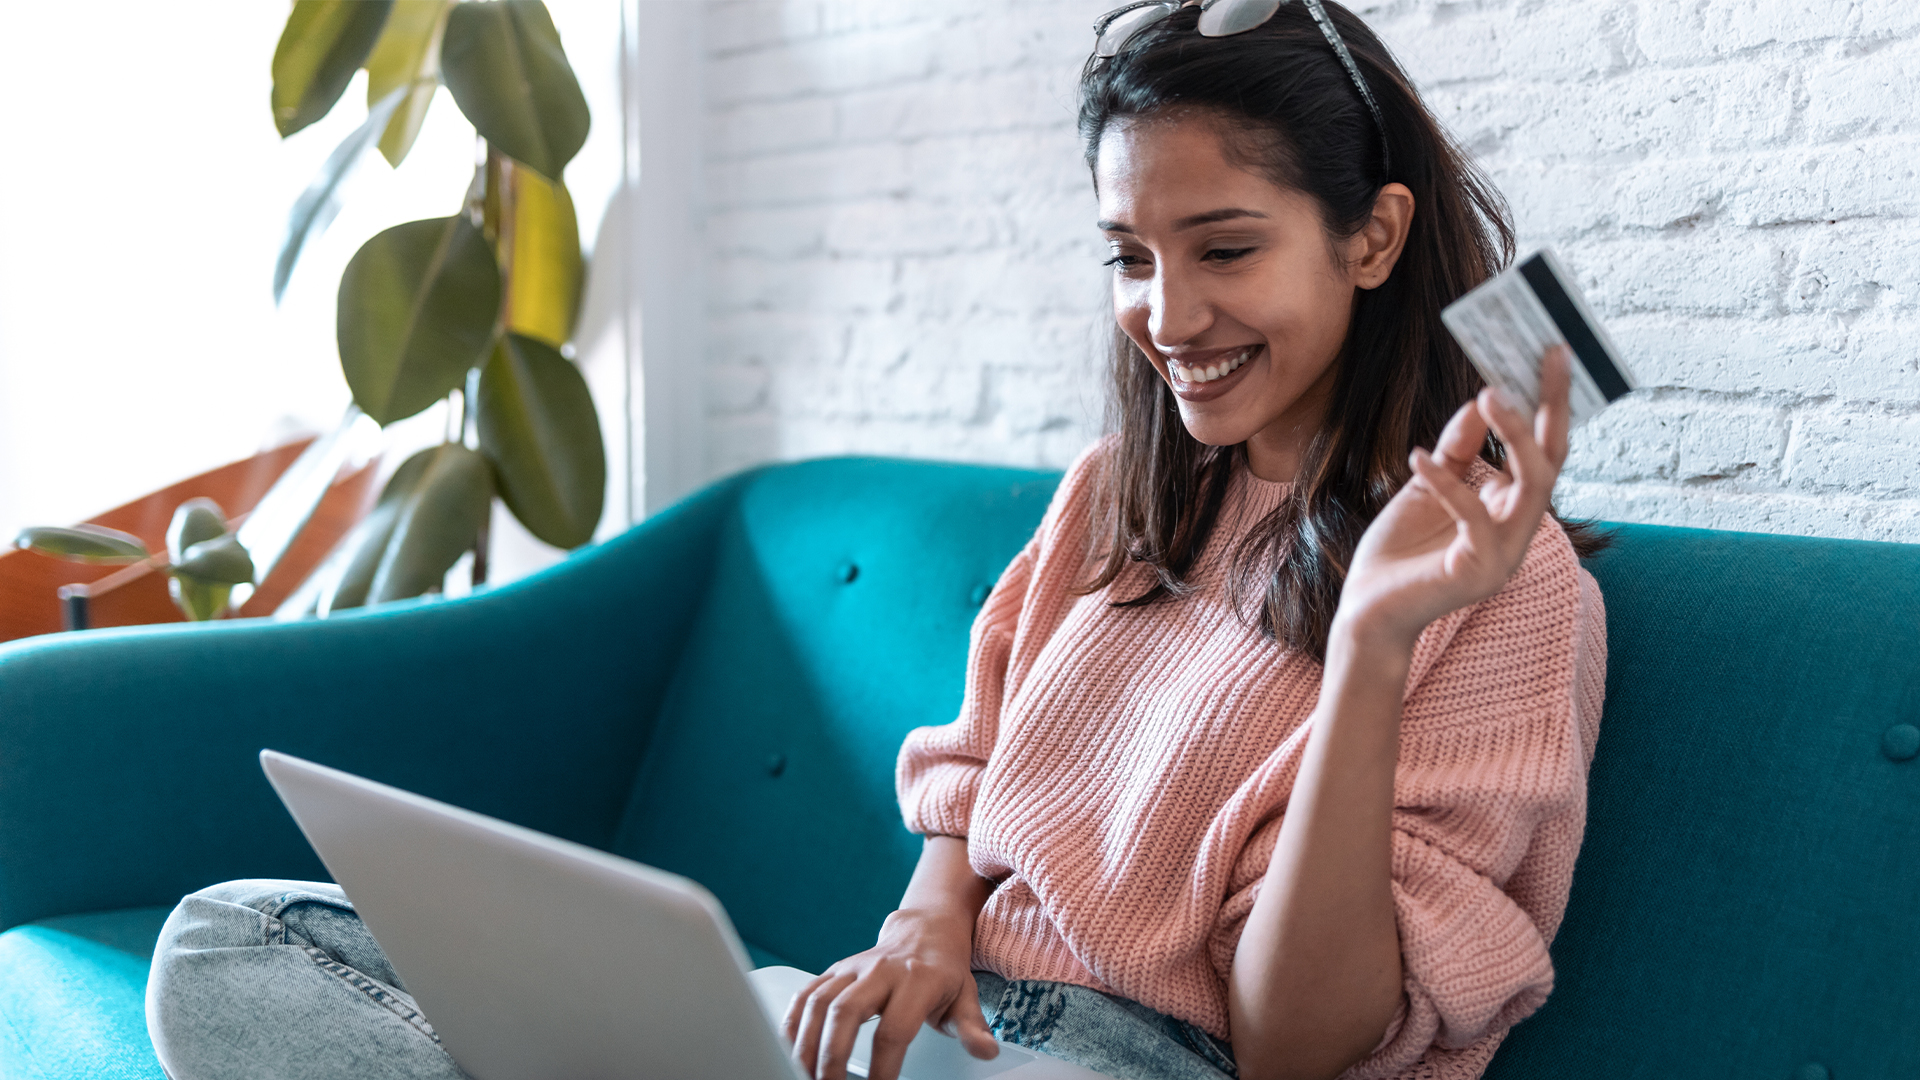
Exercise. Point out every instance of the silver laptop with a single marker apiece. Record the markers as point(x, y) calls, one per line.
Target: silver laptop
point(534, 957)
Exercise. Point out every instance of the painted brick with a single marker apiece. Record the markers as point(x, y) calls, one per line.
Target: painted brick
point(990, 103)
point(1861, 95)
point(1445, 44)
point(1697, 33)
point(778, 232)
point(751, 283)
point(1707, 274)
point(739, 25)
point(879, 228)
point(762, 127)
point(902, 259)
point(1867, 452)
point(1854, 267)
point(1871, 179)
point(832, 64)
point(809, 177)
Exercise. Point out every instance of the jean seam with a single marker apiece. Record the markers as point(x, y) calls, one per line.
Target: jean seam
point(374, 990)
point(1207, 1048)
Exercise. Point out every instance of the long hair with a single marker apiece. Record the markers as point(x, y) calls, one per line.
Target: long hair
point(1286, 108)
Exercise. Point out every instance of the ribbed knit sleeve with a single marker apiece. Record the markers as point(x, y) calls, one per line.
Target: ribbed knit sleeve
point(1490, 805)
point(937, 775)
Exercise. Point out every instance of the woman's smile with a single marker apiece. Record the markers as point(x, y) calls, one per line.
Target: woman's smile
point(1203, 375)
point(1229, 284)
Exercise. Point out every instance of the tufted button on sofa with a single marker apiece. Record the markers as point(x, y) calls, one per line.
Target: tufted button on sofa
point(721, 691)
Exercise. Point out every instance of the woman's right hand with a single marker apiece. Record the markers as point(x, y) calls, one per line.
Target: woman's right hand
point(920, 971)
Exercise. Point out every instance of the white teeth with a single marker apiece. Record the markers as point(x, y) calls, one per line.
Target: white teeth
point(1208, 374)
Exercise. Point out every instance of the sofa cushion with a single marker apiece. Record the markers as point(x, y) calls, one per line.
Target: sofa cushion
point(1744, 903)
point(837, 620)
point(72, 999)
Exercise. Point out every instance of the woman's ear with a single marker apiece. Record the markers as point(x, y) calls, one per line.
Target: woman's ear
point(1378, 247)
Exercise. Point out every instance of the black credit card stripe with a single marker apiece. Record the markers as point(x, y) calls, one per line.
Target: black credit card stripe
point(1562, 310)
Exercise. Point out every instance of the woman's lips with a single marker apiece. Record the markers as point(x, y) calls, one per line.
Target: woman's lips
point(1191, 382)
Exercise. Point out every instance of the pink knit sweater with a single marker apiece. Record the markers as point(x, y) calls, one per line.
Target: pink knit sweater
point(1122, 774)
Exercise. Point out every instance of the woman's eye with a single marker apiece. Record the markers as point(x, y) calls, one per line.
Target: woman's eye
point(1226, 254)
point(1124, 262)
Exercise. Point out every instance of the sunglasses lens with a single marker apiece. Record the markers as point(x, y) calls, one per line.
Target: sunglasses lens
point(1122, 29)
point(1223, 18)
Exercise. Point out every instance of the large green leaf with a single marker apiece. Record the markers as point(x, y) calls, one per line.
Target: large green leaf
point(506, 69)
point(324, 43)
point(417, 308)
point(219, 561)
point(407, 58)
point(314, 210)
point(538, 425)
point(428, 516)
point(194, 521)
point(544, 267)
point(84, 543)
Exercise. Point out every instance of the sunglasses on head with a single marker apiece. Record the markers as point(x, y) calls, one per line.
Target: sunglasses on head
point(1224, 18)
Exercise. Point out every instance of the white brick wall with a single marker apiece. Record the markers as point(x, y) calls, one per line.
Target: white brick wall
point(901, 258)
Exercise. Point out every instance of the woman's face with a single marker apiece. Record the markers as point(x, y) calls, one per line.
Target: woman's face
point(1230, 285)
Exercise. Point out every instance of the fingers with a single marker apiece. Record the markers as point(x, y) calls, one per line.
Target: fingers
point(1460, 442)
point(1533, 472)
point(898, 1025)
point(1550, 423)
point(1461, 503)
point(790, 1024)
point(825, 1019)
point(849, 1010)
point(965, 1021)
point(812, 1005)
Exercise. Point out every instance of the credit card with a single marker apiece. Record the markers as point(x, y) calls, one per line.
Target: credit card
point(1508, 323)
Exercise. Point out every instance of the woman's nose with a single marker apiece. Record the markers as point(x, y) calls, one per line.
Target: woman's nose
point(1178, 312)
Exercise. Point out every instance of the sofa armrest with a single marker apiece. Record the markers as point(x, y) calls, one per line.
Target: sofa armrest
point(128, 771)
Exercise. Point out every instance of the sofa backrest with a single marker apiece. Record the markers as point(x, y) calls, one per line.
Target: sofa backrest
point(836, 621)
point(1745, 901)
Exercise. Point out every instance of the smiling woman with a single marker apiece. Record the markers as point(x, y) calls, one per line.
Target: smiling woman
point(1276, 233)
point(1273, 757)
point(1254, 292)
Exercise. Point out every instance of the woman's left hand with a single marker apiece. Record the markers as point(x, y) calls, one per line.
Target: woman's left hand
point(1439, 545)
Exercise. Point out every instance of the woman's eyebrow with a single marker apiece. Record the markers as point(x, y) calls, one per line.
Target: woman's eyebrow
point(1207, 218)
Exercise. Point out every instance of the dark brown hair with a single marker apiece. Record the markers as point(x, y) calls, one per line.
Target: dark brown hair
point(1286, 107)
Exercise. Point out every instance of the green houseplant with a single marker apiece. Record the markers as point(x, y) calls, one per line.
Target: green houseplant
point(474, 308)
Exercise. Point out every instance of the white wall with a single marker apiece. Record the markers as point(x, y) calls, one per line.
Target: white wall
point(902, 253)
point(903, 259)
point(883, 205)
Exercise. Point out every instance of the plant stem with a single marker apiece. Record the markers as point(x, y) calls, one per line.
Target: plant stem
point(479, 577)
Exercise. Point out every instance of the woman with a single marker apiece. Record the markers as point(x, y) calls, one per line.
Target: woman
point(1273, 756)
point(1274, 749)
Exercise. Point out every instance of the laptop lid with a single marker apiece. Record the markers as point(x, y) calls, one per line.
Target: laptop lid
point(534, 957)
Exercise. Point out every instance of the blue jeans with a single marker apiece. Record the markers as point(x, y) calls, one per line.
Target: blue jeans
point(1108, 1034)
point(279, 980)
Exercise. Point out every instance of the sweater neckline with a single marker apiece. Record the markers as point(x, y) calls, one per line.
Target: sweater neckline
point(1259, 495)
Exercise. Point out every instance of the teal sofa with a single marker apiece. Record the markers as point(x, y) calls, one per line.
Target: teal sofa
point(720, 691)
